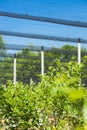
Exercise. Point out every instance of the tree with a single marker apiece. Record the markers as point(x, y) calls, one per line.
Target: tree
point(65, 53)
point(2, 45)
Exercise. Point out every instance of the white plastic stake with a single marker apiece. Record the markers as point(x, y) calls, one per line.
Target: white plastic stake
point(14, 68)
point(79, 52)
point(42, 61)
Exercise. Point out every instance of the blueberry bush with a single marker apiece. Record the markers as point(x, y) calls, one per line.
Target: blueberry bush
point(57, 102)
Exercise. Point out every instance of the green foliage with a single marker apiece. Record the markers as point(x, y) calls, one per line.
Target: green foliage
point(55, 103)
point(29, 63)
point(28, 66)
point(68, 47)
point(2, 45)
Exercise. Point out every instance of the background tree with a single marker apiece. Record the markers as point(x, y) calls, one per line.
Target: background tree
point(2, 45)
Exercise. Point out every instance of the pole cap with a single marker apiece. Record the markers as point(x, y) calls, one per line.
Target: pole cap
point(15, 55)
point(42, 48)
point(79, 40)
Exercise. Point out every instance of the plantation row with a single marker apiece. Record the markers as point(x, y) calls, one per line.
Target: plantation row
point(29, 63)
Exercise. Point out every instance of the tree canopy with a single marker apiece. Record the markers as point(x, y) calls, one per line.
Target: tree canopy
point(2, 45)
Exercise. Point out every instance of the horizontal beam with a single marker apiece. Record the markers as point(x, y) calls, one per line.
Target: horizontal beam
point(45, 19)
point(20, 47)
point(44, 37)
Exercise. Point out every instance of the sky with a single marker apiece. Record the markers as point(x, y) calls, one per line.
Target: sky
point(75, 10)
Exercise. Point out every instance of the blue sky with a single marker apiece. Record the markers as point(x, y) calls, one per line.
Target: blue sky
point(63, 9)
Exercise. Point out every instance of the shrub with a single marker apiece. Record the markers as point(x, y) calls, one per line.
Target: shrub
point(55, 103)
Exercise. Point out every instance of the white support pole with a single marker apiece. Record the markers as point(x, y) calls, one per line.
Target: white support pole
point(42, 61)
point(14, 68)
point(79, 51)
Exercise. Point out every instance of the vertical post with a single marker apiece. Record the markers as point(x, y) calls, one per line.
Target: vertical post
point(14, 68)
point(79, 51)
point(42, 61)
